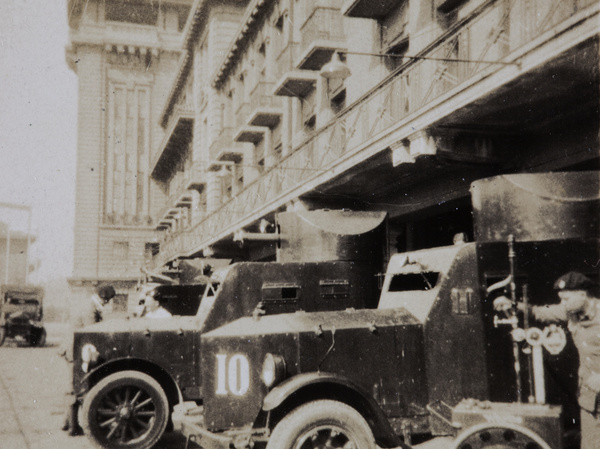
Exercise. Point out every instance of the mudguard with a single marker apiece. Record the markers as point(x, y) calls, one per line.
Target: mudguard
point(139, 363)
point(278, 395)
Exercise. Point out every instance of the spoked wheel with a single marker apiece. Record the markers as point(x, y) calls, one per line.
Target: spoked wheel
point(323, 424)
point(126, 410)
point(500, 436)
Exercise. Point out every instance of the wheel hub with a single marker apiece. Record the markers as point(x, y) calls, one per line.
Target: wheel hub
point(498, 438)
point(125, 411)
point(325, 438)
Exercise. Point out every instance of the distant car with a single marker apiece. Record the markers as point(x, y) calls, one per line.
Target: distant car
point(21, 314)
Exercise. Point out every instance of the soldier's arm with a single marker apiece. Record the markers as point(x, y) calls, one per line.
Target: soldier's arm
point(551, 313)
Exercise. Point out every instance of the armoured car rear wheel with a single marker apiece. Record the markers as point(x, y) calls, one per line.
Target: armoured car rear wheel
point(322, 424)
point(126, 410)
point(499, 436)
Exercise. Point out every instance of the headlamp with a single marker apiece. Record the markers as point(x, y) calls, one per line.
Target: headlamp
point(89, 356)
point(273, 369)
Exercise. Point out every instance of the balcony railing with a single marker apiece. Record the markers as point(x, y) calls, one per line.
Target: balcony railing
point(323, 28)
point(491, 33)
point(241, 114)
point(262, 97)
point(286, 59)
point(265, 107)
point(191, 178)
point(223, 140)
point(292, 82)
point(311, 5)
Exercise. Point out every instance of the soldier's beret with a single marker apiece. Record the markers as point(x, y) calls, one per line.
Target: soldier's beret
point(573, 281)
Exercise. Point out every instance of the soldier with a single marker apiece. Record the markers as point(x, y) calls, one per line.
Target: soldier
point(154, 307)
point(92, 313)
point(580, 309)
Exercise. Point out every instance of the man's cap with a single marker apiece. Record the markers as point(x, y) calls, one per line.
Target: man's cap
point(106, 292)
point(573, 281)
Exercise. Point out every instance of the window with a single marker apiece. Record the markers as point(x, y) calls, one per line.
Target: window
point(280, 298)
point(119, 303)
point(151, 249)
point(413, 281)
point(277, 151)
point(338, 103)
point(132, 12)
point(126, 178)
point(334, 289)
point(310, 124)
point(280, 293)
point(397, 49)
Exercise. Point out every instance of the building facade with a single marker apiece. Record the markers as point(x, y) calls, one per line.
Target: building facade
point(125, 55)
point(434, 94)
point(192, 129)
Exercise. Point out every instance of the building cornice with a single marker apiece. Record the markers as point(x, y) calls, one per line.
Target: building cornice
point(126, 35)
point(238, 44)
point(190, 32)
point(184, 65)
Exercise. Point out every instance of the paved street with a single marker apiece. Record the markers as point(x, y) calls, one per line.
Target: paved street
point(32, 398)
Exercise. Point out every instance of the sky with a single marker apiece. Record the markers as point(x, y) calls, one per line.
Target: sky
point(38, 120)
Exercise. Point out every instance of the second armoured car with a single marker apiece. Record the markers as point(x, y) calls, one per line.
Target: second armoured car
point(129, 374)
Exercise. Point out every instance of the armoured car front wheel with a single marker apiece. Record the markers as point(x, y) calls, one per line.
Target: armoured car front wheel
point(323, 424)
point(126, 410)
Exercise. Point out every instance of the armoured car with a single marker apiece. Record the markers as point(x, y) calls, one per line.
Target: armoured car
point(129, 374)
point(433, 359)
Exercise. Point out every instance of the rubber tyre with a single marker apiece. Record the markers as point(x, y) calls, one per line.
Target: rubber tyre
point(126, 410)
point(38, 338)
point(2, 335)
point(499, 436)
point(322, 424)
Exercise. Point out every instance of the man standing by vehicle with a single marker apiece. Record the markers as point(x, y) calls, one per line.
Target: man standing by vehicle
point(92, 313)
point(580, 309)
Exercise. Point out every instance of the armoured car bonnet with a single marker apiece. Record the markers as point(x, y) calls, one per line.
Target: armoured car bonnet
point(313, 322)
point(541, 206)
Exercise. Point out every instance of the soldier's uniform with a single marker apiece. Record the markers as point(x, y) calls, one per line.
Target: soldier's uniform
point(584, 326)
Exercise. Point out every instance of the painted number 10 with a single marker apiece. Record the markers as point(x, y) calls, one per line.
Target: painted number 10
point(233, 376)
